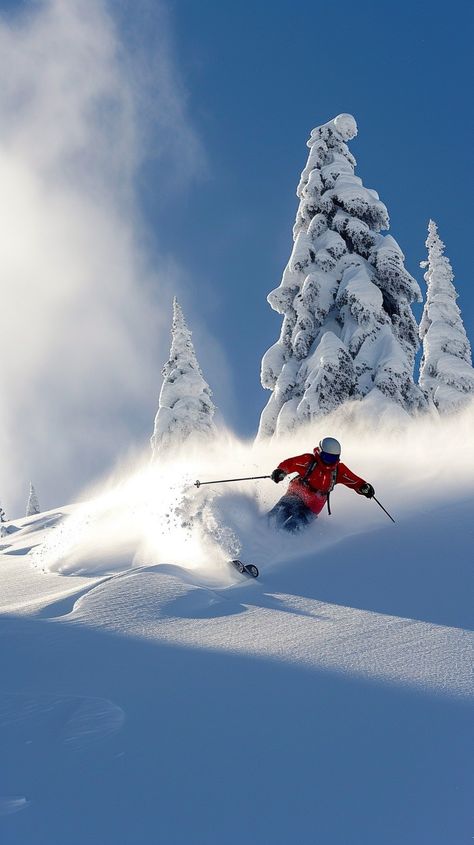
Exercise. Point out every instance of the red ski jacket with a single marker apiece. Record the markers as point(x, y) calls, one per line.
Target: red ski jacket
point(314, 490)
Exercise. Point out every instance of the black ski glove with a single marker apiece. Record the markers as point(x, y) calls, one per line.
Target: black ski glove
point(367, 490)
point(278, 475)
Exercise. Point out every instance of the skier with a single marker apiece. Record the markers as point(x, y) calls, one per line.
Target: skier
point(307, 494)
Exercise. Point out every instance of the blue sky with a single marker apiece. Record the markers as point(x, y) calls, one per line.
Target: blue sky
point(258, 79)
point(184, 182)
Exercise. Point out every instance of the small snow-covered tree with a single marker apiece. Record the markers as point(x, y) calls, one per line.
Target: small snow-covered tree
point(345, 296)
point(3, 528)
point(33, 504)
point(185, 409)
point(446, 372)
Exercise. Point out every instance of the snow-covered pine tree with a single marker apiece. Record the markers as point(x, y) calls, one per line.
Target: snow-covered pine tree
point(3, 519)
point(345, 296)
point(446, 372)
point(185, 408)
point(33, 504)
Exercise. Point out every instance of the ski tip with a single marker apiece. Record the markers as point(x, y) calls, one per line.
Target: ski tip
point(245, 568)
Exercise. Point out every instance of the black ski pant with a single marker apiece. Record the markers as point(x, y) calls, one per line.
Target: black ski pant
point(290, 513)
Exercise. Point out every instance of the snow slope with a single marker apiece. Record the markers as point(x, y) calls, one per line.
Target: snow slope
point(152, 695)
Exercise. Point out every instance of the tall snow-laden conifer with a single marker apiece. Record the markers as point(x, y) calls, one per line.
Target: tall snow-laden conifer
point(185, 409)
point(345, 296)
point(33, 504)
point(446, 372)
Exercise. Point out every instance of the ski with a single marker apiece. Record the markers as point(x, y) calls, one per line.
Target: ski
point(245, 568)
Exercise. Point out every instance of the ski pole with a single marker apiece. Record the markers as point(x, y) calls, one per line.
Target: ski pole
point(381, 506)
point(227, 480)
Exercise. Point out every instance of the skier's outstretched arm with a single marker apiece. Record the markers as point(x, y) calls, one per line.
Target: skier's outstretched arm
point(355, 482)
point(297, 464)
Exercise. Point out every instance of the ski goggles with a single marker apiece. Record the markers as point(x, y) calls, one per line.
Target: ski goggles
point(329, 459)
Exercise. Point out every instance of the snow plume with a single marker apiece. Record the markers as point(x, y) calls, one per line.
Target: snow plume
point(153, 514)
point(156, 515)
point(79, 328)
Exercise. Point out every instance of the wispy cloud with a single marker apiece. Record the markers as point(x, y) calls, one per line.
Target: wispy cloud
point(81, 328)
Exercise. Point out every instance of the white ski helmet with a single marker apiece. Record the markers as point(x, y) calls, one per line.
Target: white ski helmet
point(330, 446)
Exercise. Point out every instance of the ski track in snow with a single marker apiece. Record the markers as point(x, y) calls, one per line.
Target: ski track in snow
point(12, 804)
point(74, 721)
